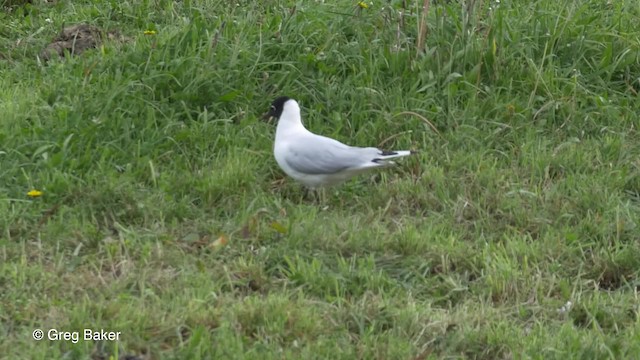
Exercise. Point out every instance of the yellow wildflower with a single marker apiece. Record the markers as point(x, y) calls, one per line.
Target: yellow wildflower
point(34, 193)
point(150, 32)
point(363, 5)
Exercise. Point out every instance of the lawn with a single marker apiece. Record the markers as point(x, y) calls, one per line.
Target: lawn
point(160, 213)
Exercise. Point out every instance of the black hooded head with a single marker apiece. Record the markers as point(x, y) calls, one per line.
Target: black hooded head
point(277, 106)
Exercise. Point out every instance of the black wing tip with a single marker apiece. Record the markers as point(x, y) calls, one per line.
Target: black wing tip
point(389, 152)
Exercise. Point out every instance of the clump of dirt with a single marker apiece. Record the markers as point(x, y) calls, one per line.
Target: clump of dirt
point(74, 40)
point(12, 3)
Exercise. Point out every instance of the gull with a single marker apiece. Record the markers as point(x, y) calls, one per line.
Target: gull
point(318, 161)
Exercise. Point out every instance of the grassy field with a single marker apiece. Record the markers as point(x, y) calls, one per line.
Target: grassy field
point(163, 215)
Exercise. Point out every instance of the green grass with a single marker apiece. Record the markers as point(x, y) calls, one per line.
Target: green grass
point(526, 197)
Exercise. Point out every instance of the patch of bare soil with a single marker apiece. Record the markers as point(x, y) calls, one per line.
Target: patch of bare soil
point(8, 4)
point(74, 40)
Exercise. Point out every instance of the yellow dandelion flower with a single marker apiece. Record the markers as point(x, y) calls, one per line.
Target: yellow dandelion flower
point(150, 32)
point(363, 5)
point(34, 193)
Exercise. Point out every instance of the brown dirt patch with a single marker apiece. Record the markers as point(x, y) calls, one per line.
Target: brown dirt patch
point(74, 40)
point(12, 3)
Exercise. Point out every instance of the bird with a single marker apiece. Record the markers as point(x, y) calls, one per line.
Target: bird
point(318, 161)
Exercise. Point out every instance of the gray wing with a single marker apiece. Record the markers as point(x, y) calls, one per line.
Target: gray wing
point(315, 155)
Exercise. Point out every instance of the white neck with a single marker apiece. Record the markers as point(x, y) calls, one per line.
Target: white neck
point(290, 120)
